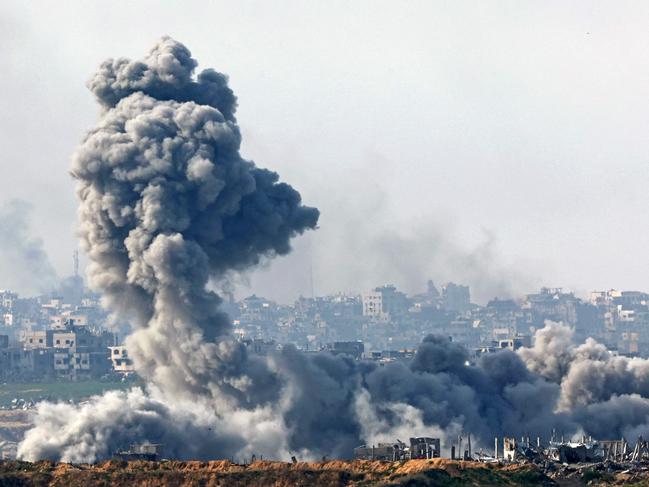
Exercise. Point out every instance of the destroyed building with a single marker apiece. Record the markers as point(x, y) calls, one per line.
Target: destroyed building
point(146, 451)
point(418, 448)
point(383, 451)
point(120, 361)
point(574, 452)
point(353, 349)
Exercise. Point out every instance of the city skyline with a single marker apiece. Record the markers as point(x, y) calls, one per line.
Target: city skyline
point(305, 231)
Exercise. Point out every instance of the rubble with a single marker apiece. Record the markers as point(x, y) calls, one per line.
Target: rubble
point(144, 451)
point(583, 459)
point(420, 447)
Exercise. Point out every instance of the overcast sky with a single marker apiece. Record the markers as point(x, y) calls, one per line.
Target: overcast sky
point(499, 144)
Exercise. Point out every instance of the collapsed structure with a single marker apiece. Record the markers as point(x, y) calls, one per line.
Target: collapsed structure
point(581, 450)
point(145, 451)
point(419, 447)
point(584, 450)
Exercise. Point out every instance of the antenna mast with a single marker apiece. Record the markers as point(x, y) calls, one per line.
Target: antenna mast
point(75, 260)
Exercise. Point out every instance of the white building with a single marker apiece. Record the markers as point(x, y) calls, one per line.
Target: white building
point(372, 304)
point(384, 302)
point(8, 319)
point(120, 359)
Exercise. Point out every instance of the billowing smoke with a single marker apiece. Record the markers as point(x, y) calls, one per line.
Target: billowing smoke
point(168, 204)
point(26, 267)
point(606, 394)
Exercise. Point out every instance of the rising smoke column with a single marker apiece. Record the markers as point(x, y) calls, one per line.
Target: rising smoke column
point(167, 203)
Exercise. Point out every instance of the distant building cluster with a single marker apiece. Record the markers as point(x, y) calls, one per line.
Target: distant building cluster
point(66, 337)
point(49, 338)
point(385, 324)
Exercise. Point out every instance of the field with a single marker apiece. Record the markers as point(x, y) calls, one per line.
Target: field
point(57, 391)
point(434, 473)
point(437, 472)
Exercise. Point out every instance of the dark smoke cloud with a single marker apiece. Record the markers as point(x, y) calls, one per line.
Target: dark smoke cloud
point(167, 203)
point(165, 74)
point(26, 267)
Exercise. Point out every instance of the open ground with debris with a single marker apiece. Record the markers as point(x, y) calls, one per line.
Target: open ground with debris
point(434, 472)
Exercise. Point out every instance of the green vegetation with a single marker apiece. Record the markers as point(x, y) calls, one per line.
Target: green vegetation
point(591, 474)
point(59, 391)
point(601, 477)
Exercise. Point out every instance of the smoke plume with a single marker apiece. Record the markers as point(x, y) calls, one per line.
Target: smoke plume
point(25, 265)
point(405, 250)
point(166, 204)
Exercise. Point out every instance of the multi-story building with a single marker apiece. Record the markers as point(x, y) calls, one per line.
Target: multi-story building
point(385, 302)
point(456, 297)
point(372, 304)
point(120, 360)
point(37, 339)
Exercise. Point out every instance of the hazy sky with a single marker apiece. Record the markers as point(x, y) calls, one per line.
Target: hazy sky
point(500, 144)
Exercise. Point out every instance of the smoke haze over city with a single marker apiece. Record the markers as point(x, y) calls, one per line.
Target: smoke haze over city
point(167, 203)
point(296, 251)
point(487, 135)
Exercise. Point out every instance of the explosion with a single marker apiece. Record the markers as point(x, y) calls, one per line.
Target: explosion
point(167, 205)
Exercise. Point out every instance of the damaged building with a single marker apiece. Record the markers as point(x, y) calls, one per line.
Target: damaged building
point(418, 448)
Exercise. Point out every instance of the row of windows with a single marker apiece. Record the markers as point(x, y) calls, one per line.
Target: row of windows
point(77, 360)
point(58, 341)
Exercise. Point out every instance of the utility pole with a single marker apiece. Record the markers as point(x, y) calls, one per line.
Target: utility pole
point(311, 270)
point(75, 260)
